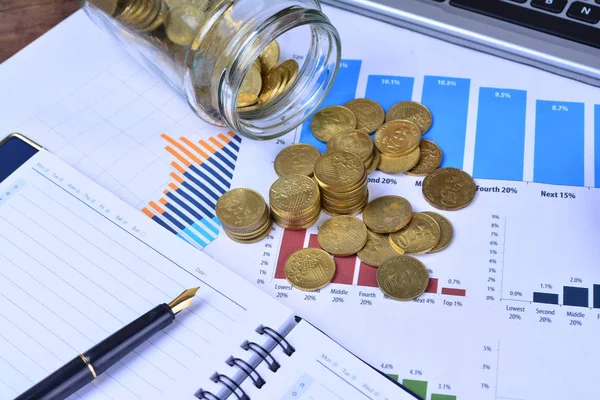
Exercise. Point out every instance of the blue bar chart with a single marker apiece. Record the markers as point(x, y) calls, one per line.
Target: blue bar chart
point(448, 100)
point(500, 137)
point(575, 296)
point(388, 90)
point(559, 146)
point(342, 91)
point(508, 126)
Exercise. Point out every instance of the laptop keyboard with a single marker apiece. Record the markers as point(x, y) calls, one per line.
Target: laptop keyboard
point(573, 20)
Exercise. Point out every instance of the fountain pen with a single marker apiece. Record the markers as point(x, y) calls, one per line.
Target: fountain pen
point(89, 365)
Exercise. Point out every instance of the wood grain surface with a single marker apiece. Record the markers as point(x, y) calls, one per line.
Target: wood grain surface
point(23, 21)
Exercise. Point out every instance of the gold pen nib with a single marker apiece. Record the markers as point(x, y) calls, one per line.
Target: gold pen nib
point(183, 301)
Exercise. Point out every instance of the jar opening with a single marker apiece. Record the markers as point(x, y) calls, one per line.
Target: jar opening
point(308, 38)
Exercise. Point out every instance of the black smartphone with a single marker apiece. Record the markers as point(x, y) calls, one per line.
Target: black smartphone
point(15, 149)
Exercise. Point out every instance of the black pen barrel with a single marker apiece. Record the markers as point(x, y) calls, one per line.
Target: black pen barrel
point(112, 349)
point(87, 366)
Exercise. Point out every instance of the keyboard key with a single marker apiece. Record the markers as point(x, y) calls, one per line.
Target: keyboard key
point(584, 12)
point(555, 6)
point(540, 21)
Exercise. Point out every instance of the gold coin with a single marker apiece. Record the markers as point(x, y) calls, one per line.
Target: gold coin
point(309, 269)
point(377, 250)
point(429, 161)
point(257, 238)
point(297, 159)
point(355, 142)
point(449, 189)
point(419, 236)
point(270, 56)
point(246, 100)
point(270, 86)
point(330, 121)
point(252, 82)
point(369, 114)
point(411, 111)
point(445, 227)
point(240, 208)
point(342, 235)
point(297, 226)
point(387, 214)
point(403, 278)
point(395, 165)
point(293, 193)
point(182, 23)
point(107, 6)
point(397, 138)
point(339, 169)
point(376, 161)
point(291, 67)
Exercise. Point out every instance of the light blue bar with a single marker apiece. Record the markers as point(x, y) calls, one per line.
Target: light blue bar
point(559, 131)
point(191, 234)
point(216, 221)
point(201, 230)
point(210, 226)
point(182, 236)
point(388, 90)
point(342, 91)
point(448, 100)
point(597, 144)
point(500, 140)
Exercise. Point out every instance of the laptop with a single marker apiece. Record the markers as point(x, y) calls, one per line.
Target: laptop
point(560, 36)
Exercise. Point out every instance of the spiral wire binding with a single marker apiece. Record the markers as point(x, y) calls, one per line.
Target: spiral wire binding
point(244, 366)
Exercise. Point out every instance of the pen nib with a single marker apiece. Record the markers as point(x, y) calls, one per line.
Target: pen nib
point(183, 301)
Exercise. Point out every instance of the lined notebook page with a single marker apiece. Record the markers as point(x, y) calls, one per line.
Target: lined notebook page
point(76, 264)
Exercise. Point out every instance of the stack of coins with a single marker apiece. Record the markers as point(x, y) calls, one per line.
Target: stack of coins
point(244, 215)
point(358, 143)
point(295, 202)
point(342, 178)
point(398, 142)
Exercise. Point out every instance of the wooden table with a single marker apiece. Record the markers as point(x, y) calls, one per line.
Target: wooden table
point(23, 21)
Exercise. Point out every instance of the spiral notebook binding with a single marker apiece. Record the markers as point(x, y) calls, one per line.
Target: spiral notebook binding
point(248, 369)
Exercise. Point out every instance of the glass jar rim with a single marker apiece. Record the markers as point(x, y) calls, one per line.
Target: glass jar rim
point(313, 82)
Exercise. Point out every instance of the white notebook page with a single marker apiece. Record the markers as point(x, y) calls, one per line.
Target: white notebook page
point(77, 264)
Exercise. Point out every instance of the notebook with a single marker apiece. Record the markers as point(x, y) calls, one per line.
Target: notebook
point(77, 263)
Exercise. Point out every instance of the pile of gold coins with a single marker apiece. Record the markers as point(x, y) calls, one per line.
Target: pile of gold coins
point(295, 202)
point(390, 234)
point(244, 215)
point(267, 79)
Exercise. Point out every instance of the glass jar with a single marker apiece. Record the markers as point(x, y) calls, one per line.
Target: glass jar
point(220, 55)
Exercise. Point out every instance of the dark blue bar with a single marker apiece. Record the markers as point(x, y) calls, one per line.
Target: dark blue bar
point(205, 177)
point(163, 224)
point(575, 296)
point(221, 168)
point(199, 195)
point(189, 209)
point(173, 220)
point(226, 161)
point(235, 147)
point(229, 153)
point(202, 185)
point(545, 298)
point(342, 91)
point(596, 296)
point(236, 137)
point(214, 173)
point(181, 215)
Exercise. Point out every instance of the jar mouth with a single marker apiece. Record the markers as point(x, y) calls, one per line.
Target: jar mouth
point(313, 82)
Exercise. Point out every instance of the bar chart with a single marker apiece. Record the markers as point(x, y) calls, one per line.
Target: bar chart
point(202, 172)
point(500, 127)
point(420, 388)
point(573, 296)
point(346, 266)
